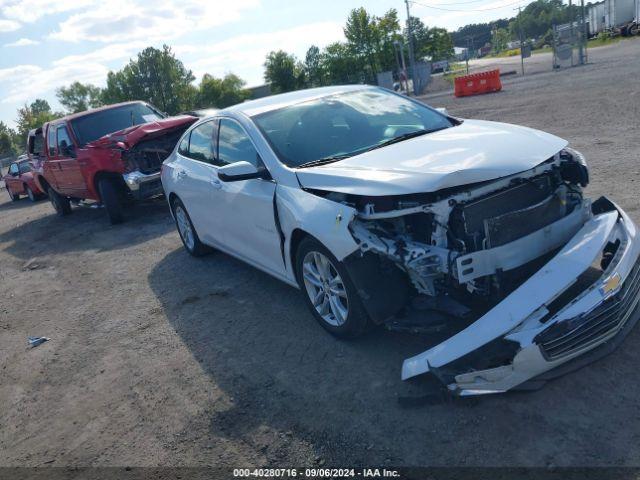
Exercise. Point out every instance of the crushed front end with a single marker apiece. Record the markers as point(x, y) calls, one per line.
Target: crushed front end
point(542, 274)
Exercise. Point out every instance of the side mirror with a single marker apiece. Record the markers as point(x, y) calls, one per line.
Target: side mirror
point(241, 171)
point(442, 110)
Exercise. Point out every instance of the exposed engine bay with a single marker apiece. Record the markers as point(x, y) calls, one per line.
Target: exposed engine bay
point(476, 242)
point(147, 156)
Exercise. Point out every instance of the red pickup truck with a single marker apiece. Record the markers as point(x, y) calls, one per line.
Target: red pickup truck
point(111, 154)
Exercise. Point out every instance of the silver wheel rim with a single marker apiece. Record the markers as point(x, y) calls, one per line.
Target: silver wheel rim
point(184, 227)
point(325, 288)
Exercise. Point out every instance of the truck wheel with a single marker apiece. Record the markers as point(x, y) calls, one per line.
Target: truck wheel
point(111, 201)
point(14, 196)
point(30, 194)
point(60, 203)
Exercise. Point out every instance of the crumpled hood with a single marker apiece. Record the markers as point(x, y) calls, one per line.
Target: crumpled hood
point(132, 135)
point(474, 151)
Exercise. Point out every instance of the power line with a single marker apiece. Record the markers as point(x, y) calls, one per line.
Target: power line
point(466, 10)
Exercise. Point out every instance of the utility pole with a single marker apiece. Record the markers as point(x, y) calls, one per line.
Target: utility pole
point(412, 60)
point(520, 36)
point(573, 38)
point(584, 33)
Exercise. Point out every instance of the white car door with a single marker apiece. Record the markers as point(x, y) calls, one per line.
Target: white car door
point(197, 184)
point(246, 211)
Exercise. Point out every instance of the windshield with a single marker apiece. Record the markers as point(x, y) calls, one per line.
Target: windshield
point(91, 127)
point(338, 126)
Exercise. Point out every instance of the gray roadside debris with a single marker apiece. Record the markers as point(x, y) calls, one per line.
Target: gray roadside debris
point(35, 341)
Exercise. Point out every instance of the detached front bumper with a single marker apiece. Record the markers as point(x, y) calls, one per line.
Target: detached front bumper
point(143, 185)
point(565, 310)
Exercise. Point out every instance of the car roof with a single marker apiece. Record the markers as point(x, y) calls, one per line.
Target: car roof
point(275, 102)
point(94, 110)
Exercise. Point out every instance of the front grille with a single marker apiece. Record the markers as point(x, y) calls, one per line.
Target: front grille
point(567, 337)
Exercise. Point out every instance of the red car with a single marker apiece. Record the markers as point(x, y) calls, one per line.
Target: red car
point(112, 155)
point(19, 181)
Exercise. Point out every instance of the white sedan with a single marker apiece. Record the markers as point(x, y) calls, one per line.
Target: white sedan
point(383, 210)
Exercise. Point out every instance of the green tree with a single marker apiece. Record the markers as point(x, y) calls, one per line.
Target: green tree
point(7, 148)
point(363, 37)
point(501, 37)
point(313, 67)
point(221, 92)
point(155, 76)
point(283, 72)
point(433, 43)
point(389, 32)
point(79, 97)
point(339, 65)
point(32, 116)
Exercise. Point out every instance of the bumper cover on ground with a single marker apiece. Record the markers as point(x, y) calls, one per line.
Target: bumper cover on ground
point(600, 314)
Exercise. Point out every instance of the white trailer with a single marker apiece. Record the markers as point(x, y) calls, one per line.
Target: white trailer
point(596, 18)
point(619, 12)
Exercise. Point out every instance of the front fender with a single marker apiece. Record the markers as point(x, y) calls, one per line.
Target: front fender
point(324, 219)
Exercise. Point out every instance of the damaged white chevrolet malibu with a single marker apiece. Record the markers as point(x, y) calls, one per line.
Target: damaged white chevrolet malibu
point(383, 210)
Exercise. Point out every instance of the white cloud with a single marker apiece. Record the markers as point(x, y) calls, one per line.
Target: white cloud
point(244, 55)
point(18, 73)
point(110, 53)
point(8, 25)
point(26, 82)
point(23, 42)
point(149, 20)
point(28, 11)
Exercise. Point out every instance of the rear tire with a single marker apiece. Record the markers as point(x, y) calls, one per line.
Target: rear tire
point(328, 291)
point(187, 231)
point(111, 201)
point(61, 204)
point(30, 194)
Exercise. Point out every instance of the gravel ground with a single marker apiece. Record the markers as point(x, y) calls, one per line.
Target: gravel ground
point(160, 359)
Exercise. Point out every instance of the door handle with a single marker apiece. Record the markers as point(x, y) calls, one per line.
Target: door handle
point(217, 184)
point(181, 174)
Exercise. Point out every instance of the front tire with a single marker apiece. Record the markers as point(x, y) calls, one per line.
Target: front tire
point(13, 196)
point(30, 194)
point(187, 231)
point(111, 201)
point(61, 204)
point(329, 292)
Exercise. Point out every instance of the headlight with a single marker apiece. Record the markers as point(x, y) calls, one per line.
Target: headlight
point(574, 169)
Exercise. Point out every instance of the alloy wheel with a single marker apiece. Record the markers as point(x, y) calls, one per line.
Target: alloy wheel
point(325, 288)
point(184, 227)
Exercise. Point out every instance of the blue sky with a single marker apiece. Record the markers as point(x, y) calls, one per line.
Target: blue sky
point(45, 45)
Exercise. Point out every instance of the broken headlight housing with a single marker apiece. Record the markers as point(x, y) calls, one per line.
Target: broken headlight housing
point(574, 169)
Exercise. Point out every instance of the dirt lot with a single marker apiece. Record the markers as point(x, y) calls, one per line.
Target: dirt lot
point(157, 358)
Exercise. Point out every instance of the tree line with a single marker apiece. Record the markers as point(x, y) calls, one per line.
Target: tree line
point(372, 45)
point(535, 21)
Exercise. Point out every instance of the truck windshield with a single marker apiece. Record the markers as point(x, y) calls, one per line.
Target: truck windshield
point(96, 125)
point(337, 126)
